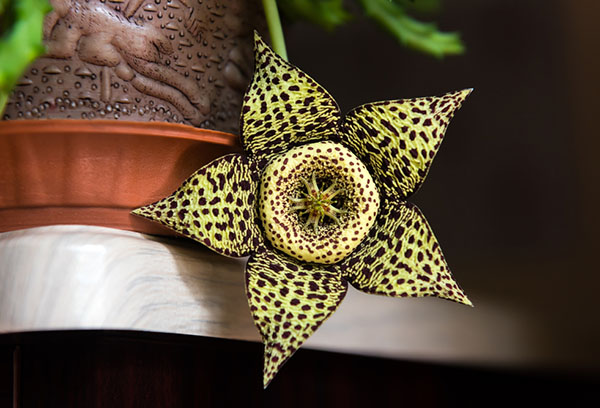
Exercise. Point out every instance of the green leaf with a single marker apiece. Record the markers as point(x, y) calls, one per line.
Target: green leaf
point(415, 34)
point(21, 42)
point(325, 13)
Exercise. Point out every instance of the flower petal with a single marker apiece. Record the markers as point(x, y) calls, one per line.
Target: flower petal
point(283, 107)
point(398, 140)
point(289, 301)
point(215, 206)
point(401, 257)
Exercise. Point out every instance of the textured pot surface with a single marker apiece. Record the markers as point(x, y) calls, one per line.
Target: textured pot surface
point(181, 61)
point(95, 173)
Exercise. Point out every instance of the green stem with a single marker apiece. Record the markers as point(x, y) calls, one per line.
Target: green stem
point(275, 30)
point(3, 101)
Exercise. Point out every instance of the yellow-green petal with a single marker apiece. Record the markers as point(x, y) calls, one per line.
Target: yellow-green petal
point(398, 140)
point(283, 107)
point(215, 206)
point(401, 258)
point(288, 301)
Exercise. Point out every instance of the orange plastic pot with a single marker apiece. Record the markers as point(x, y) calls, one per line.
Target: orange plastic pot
point(95, 172)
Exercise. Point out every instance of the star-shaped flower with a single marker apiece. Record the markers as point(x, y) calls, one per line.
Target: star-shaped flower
point(318, 201)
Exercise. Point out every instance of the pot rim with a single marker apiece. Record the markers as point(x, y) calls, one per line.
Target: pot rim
point(101, 126)
point(34, 191)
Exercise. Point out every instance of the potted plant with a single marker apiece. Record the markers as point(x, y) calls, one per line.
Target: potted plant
point(317, 199)
point(167, 63)
point(119, 84)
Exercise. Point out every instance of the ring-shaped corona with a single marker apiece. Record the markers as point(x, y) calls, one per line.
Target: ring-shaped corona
point(317, 202)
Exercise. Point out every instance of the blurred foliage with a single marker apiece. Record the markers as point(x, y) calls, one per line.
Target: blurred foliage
point(20, 39)
point(391, 15)
point(325, 13)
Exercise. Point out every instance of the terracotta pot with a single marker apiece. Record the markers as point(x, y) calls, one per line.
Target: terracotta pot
point(96, 172)
point(180, 61)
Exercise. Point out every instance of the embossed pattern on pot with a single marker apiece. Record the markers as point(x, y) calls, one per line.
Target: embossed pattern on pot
point(175, 61)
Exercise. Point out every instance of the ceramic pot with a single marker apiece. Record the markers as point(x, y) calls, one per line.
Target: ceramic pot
point(179, 61)
point(96, 172)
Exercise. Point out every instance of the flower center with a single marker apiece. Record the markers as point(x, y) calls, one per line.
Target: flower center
point(317, 205)
point(317, 202)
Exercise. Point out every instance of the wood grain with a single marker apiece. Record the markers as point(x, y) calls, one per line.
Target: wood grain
point(82, 277)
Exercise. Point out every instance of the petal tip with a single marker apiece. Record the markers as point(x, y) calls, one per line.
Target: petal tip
point(462, 95)
point(144, 211)
point(266, 381)
point(457, 296)
point(466, 92)
point(257, 39)
point(467, 302)
point(261, 47)
point(273, 361)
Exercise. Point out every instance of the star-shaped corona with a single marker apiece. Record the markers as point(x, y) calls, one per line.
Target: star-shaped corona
point(318, 201)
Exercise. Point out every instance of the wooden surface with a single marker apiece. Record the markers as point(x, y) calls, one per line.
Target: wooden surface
point(82, 277)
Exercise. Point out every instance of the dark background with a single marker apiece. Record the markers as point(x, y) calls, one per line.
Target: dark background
point(512, 194)
point(127, 369)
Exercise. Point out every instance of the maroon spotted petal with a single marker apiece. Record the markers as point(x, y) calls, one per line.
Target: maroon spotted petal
point(283, 107)
point(289, 300)
point(401, 257)
point(215, 206)
point(397, 140)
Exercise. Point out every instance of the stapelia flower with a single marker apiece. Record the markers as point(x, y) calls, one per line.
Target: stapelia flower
point(318, 201)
